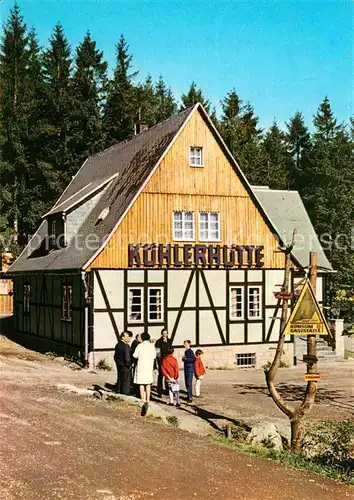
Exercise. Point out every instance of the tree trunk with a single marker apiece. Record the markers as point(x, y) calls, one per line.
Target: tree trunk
point(297, 434)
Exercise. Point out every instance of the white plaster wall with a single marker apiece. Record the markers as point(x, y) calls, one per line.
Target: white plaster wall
point(254, 332)
point(254, 275)
point(104, 334)
point(275, 333)
point(237, 332)
point(319, 289)
point(135, 276)
point(237, 275)
point(272, 279)
point(186, 327)
point(113, 284)
point(208, 331)
point(216, 281)
point(177, 283)
point(156, 276)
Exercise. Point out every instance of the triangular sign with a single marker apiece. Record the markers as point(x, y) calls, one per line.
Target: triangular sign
point(307, 317)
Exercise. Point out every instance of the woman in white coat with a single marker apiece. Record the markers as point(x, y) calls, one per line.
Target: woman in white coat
point(145, 354)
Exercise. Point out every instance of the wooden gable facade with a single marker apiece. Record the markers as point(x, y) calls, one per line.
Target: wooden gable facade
point(175, 185)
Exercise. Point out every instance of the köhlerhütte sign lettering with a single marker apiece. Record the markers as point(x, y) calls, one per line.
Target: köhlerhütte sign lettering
point(160, 255)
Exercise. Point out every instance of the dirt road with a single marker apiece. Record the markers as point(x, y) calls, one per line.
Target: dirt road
point(60, 446)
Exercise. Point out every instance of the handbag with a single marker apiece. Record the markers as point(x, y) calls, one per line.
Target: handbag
point(174, 387)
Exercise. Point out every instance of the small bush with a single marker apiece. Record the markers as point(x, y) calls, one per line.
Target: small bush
point(332, 445)
point(268, 364)
point(222, 368)
point(172, 420)
point(103, 365)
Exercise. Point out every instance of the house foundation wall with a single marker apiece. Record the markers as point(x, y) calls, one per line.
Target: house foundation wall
point(224, 358)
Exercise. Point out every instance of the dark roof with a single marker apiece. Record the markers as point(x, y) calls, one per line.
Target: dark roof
point(133, 160)
point(69, 202)
point(287, 212)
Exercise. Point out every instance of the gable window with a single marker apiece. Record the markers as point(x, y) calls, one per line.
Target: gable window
point(209, 226)
point(196, 156)
point(155, 304)
point(66, 302)
point(135, 304)
point(54, 229)
point(183, 226)
point(236, 302)
point(26, 298)
point(254, 302)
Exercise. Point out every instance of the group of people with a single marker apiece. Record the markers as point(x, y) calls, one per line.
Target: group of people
point(136, 361)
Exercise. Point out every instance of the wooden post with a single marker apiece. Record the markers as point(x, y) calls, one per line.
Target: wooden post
point(311, 339)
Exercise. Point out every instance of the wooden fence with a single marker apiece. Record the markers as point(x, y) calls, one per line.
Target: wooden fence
point(6, 300)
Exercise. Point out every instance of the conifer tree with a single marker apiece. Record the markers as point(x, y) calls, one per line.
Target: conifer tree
point(324, 121)
point(299, 143)
point(41, 181)
point(328, 194)
point(89, 87)
point(13, 63)
point(239, 128)
point(165, 101)
point(121, 110)
point(276, 159)
point(193, 96)
point(146, 102)
point(230, 123)
point(34, 97)
point(59, 107)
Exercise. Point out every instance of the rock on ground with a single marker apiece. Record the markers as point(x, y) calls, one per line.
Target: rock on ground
point(267, 435)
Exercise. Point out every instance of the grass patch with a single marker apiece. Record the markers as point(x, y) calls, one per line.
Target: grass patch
point(172, 420)
point(103, 365)
point(289, 459)
point(348, 354)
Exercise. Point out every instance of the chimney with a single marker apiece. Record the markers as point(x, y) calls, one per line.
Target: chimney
point(140, 127)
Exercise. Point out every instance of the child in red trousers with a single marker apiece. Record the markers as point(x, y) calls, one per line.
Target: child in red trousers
point(199, 371)
point(170, 371)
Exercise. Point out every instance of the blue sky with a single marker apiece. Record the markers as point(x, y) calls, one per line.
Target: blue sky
point(279, 55)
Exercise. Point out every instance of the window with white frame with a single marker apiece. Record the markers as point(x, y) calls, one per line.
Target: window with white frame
point(135, 304)
point(183, 226)
point(26, 298)
point(254, 302)
point(196, 156)
point(209, 226)
point(236, 302)
point(66, 302)
point(155, 304)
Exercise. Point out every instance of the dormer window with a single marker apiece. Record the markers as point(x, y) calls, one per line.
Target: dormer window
point(196, 156)
point(56, 232)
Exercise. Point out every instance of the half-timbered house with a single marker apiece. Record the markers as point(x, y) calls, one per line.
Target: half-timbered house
point(163, 230)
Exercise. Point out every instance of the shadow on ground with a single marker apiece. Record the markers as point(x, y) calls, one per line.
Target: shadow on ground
point(292, 392)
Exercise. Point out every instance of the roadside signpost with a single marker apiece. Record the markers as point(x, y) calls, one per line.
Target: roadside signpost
point(307, 317)
point(312, 377)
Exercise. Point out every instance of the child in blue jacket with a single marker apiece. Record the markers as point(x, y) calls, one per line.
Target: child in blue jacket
point(188, 359)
